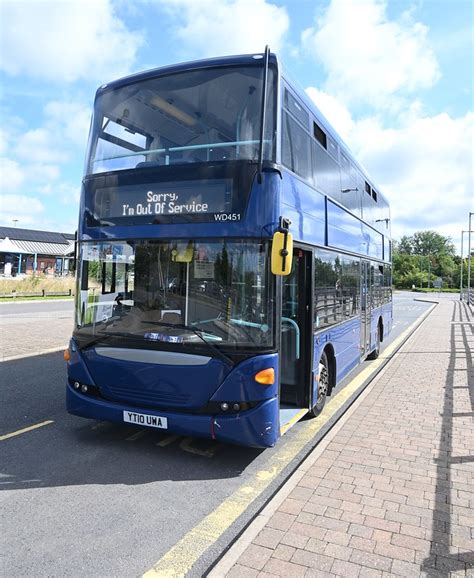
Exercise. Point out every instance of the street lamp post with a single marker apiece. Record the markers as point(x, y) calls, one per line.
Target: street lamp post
point(469, 261)
point(462, 261)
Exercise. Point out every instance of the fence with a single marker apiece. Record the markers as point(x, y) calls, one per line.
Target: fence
point(43, 293)
point(468, 297)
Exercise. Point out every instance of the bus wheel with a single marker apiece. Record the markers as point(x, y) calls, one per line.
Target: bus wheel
point(323, 385)
point(376, 352)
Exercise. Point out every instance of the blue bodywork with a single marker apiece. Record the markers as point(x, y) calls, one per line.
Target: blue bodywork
point(182, 391)
point(187, 395)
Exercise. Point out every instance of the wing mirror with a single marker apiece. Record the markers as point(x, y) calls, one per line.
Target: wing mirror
point(282, 249)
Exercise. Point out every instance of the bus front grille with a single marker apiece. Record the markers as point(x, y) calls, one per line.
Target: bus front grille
point(145, 396)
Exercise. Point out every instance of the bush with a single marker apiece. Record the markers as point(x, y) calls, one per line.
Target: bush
point(37, 284)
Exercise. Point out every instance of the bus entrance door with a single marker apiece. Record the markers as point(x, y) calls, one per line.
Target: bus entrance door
point(295, 348)
point(365, 309)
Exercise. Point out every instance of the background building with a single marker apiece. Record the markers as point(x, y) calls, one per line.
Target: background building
point(25, 251)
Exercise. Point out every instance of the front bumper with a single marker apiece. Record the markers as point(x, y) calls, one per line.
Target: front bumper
point(257, 427)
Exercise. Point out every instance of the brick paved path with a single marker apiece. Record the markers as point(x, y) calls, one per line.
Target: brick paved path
point(393, 492)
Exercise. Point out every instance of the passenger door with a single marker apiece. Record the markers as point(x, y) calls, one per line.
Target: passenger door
point(296, 331)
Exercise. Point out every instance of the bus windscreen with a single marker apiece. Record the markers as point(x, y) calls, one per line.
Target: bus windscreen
point(179, 293)
point(203, 115)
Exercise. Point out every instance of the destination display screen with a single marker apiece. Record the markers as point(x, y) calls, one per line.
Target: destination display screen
point(163, 199)
point(194, 193)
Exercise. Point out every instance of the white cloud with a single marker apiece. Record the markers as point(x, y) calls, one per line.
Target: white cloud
point(11, 175)
point(369, 58)
point(222, 27)
point(40, 145)
point(333, 110)
point(4, 138)
point(24, 208)
point(426, 165)
point(41, 175)
point(423, 165)
point(70, 120)
point(69, 195)
point(64, 41)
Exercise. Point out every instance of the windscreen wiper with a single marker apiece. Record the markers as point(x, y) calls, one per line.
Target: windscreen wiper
point(197, 332)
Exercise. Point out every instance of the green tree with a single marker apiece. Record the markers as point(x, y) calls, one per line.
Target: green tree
point(426, 243)
point(432, 243)
point(422, 257)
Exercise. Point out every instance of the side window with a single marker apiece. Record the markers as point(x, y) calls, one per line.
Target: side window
point(325, 172)
point(328, 295)
point(320, 135)
point(332, 148)
point(296, 108)
point(350, 286)
point(286, 150)
point(377, 278)
point(386, 249)
point(387, 283)
point(296, 154)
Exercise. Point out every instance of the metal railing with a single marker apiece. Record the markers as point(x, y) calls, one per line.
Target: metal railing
point(42, 293)
point(468, 296)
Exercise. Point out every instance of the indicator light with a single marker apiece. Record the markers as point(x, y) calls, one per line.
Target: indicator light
point(266, 376)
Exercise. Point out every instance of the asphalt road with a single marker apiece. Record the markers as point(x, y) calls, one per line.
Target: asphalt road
point(34, 309)
point(84, 498)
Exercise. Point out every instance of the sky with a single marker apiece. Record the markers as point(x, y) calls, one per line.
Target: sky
point(394, 77)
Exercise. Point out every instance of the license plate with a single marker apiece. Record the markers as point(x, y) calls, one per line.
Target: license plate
point(145, 419)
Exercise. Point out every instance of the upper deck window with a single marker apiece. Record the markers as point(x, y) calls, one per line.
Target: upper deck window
point(202, 115)
point(296, 151)
point(296, 108)
point(332, 148)
point(320, 135)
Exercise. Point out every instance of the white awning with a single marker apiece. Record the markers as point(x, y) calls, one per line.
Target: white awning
point(36, 248)
point(7, 246)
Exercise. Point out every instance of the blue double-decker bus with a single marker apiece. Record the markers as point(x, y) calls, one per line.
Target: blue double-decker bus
point(233, 257)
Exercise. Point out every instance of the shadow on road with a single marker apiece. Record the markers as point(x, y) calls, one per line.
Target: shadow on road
point(73, 451)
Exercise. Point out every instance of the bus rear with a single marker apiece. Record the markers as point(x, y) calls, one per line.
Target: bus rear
point(175, 319)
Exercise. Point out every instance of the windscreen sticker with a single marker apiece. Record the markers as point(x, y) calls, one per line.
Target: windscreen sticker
point(163, 337)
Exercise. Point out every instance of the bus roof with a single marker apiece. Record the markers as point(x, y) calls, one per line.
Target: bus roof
point(236, 60)
point(246, 59)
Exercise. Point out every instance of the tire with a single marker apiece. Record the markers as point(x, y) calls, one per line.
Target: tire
point(323, 386)
point(376, 352)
